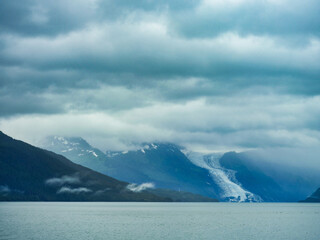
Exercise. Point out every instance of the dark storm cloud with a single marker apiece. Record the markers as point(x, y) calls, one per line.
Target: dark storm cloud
point(119, 48)
point(35, 17)
point(12, 104)
point(231, 74)
point(191, 18)
point(297, 19)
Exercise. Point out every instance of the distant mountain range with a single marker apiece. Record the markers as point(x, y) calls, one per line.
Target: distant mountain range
point(235, 177)
point(33, 174)
point(162, 164)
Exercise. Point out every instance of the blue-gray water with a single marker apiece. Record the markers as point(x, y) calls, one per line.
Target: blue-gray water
point(52, 220)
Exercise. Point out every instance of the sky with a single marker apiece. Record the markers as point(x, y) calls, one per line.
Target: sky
point(210, 75)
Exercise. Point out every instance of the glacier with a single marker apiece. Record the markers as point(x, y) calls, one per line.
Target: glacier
point(230, 189)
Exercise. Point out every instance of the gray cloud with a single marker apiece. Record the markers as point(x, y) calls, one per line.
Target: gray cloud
point(211, 75)
point(63, 180)
point(303, 159)
point(69, 190)
point(4, 189)
point(100, 192)
point(242, 121)
point(281, 18)
point(193, 18)
point(34, 17)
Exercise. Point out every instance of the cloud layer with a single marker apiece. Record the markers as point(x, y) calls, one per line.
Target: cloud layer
point(209, 75)
point(73, 190)
point(63, 180)
point(139, 188)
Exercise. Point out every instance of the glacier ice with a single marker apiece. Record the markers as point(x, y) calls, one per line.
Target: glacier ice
point(230, 189)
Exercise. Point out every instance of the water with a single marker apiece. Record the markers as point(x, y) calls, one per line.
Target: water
point(258, 221)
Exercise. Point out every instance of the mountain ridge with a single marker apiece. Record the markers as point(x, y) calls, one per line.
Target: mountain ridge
point(29, 173)
point(161, 163)
point(231, 176)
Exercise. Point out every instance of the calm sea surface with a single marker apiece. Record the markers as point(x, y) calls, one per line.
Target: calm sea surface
point(259, 221)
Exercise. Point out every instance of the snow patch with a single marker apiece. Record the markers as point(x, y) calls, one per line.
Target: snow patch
point(111, 154)
point(93, 153)
point(61, 139)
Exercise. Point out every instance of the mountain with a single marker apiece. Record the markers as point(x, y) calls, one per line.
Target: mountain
point(250, 177)
point(163, 164)
point(315, 197)
point(30, 173)
point(181, 196)
point(272, 181)
point(76, 149)
point(233, 177)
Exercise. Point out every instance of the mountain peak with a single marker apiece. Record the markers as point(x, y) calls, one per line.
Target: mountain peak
point(73, 146)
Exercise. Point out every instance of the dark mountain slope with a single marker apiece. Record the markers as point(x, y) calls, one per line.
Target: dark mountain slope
point(30, 173)
point(315, 197)
point(163, 164)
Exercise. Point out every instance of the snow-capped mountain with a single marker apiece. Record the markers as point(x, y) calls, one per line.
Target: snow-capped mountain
point(234, 177)
point(160, 163)
point(163, 164)
point(145, 147)
point(76, 149)
point(28, 173)
point(73, 144)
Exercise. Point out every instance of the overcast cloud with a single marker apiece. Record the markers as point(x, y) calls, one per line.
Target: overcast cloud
point(210, 75)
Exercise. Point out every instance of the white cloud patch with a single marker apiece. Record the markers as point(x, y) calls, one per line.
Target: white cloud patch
point(138, 188)
point(218, 124)
point(73, 190)
point(4, 189)
point(100, 192)
point(63, 180)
